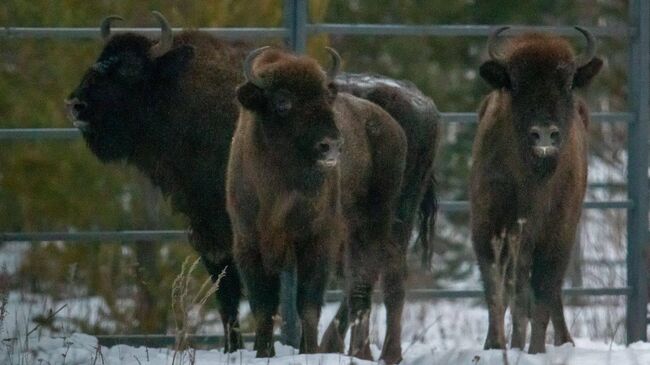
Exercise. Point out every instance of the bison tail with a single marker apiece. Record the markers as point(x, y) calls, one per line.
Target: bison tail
point(426, 223)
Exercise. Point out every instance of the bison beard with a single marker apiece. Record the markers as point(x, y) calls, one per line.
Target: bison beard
point(292, 119)
point(530, 165)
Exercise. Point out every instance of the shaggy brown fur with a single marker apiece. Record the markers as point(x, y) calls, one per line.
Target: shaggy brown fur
point(289, 209)
point(419, 118)
point(173, 117)
point(510, 181)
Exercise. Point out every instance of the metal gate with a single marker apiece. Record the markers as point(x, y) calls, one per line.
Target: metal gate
point(297, 29)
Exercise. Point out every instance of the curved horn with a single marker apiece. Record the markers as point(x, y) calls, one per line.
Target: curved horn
point(105, 26)
point(336, 63)
point(248, 67)
point(492, 43)
point(166, 37)
point(590, 53)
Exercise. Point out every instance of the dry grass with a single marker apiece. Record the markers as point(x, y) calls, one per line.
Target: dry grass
point(185, 303)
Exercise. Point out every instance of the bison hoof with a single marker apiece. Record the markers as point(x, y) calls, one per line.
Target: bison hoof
point(494, 345)
point(391, 359)
point(363, 353)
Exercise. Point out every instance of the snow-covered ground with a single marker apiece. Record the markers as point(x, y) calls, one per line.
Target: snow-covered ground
point(434, 332)
point(83, 349)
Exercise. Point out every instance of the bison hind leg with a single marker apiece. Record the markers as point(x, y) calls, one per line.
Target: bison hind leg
point(394, 294)
point(333, 338)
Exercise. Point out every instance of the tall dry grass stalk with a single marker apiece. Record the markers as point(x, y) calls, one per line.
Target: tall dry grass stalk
point(184, 301)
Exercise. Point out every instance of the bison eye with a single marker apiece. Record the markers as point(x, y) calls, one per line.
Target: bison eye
point(281, 104)
point(130, 70)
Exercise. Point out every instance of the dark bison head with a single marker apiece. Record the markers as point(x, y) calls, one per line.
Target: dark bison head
point(111, 105)
point(291, 98)
point(540, 72)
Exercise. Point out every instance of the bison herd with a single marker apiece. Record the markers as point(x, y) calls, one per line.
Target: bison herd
point(279, 165)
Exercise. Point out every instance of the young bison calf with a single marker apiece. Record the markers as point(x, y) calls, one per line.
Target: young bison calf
point(530, 166)
point(309, 170)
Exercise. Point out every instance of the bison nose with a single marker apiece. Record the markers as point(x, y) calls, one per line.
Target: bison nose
point(74, 107)
point(545, 140)
point(329, 151)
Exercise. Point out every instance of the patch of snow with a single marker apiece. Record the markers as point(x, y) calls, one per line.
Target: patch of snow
point(83, 349)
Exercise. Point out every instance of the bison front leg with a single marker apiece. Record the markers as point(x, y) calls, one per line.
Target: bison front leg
point(494, 291)
point(263, 294)
point(312, 278)
point(228, 296)
point(546, 281)
point(562, 334)
point(520, 308)
point(362, 272)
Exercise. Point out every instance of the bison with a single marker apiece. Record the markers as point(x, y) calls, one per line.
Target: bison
point(419, 118)
point(310, 170)
point(528, 178)
point(169, 108)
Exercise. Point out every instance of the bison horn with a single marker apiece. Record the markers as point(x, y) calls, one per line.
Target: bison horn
point(105, 27)
point(248, 67)
point(590, 53)
point(336, 63)
point(166, 37)
point(492, 43)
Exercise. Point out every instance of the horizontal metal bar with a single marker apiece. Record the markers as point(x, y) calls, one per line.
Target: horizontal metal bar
point(94, 33)
point(330, 28)
point(73, 133)
point(426, 294)
point(458, 30)
point(607, 185)
point(165, 340)
point(167, 235)
point(599, 117)
point(462, 206)
point(163, 235)
point(39, 133)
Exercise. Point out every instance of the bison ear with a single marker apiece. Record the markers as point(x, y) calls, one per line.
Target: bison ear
point(585, 73)
point(495, 74)
point(172, 63)
point(251, 97)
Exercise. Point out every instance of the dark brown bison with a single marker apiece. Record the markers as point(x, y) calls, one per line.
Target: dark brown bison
point(528, 178)
point(169, 108)
point(311, 169)
point(419, 117)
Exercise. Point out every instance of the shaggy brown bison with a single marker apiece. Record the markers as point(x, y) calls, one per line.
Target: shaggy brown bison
point(419, 117)
point(528, 178)
point(169, 108)
point(311, 169)
point(172, 114)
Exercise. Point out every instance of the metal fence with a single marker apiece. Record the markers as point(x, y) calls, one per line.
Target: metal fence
point(297, 29)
